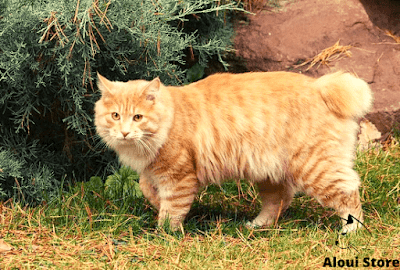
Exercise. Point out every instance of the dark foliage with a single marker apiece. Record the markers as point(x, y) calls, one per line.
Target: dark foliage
point(50, 52)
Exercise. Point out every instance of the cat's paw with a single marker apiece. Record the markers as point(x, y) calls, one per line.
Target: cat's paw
point(254, 225)
point(348, 228)
point(350, 224)
point(259, 222)
point(171, 223)
point(251, 225)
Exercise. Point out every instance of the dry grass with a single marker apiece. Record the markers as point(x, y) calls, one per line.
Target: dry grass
point(392, 35)
point(257, 5)
point(30, 238)
point(254, 5)
point(304, 248)
point(37, 247)
point(328, 55)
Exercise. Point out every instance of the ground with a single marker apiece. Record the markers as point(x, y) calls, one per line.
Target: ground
point(281, 38)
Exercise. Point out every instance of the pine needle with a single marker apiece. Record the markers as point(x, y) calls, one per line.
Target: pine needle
point(392, 35)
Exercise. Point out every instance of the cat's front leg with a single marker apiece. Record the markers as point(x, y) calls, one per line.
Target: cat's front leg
point(176, 198)
point(150, 192)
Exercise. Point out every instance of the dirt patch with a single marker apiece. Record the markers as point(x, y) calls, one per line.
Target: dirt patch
point(299, 30)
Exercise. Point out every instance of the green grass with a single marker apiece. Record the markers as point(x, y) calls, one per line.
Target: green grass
point(85, 228)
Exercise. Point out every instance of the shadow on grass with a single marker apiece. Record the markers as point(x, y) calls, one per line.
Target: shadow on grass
point(231, 215)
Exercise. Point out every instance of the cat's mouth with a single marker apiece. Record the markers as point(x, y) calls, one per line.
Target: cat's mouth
point(126, 139)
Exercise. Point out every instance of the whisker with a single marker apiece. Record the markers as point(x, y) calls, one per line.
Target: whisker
point(147, 145)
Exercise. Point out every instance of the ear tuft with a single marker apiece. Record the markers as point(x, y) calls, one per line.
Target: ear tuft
point(152, 89)
point(104, 85)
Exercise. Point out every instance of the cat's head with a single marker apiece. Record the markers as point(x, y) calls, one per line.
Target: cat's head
point(132, 114)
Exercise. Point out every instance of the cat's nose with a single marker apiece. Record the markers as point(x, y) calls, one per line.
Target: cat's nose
point(125, 133)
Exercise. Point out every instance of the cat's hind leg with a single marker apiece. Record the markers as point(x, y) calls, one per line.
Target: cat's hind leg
point(275, 198)
point(350, 212)
point(339, 190)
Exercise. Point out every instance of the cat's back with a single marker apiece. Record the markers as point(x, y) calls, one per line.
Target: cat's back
point(263, 82)
point(227, 96)
point(247, 91)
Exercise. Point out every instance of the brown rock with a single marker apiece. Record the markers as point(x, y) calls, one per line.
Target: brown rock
point(300, 30)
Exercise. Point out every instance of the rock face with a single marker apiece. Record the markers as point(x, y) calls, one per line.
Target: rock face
point(299, 30)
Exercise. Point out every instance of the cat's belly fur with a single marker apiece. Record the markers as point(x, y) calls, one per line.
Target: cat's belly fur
point(240, 162)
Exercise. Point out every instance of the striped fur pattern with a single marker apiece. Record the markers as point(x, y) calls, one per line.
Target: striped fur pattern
point(284, 131)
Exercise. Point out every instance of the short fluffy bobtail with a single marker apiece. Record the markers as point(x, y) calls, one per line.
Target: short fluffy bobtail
point(284, 131)
point(345, 95)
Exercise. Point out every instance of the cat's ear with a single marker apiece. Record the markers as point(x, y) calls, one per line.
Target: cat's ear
point(152, 89)
point(104, 85)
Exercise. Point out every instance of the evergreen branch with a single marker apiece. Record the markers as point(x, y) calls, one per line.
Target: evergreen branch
point(49, 50)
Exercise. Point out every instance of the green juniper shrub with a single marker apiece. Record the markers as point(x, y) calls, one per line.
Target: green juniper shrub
point(50, 52)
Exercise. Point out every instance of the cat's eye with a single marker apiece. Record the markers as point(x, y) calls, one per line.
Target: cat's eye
point(115, 116)
point(137, 117)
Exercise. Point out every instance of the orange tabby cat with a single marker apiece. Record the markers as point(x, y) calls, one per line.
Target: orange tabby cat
point(284, 131)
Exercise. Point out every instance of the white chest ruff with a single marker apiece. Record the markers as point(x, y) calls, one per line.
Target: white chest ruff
point(128, 157)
